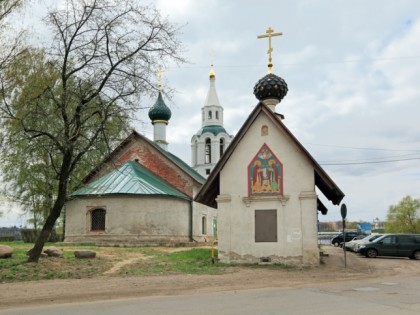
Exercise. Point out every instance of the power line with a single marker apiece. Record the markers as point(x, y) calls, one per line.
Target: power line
point(371, 162)
point(295, 64)
point(370, 159)
point(362, 148)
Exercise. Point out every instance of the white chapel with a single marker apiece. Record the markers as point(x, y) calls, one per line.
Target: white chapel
point(265, 187)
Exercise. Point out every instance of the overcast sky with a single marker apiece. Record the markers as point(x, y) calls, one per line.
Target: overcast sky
point(353, 72)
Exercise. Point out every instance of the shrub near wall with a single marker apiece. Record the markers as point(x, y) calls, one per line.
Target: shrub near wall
point(9, 234)
point(30, 235)
point(7, 238)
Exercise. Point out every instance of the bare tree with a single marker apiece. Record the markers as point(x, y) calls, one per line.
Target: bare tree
point(7, 7)
point(103, 58)
point(10, 46)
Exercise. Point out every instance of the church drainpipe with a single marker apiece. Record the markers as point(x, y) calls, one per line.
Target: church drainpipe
point(190, 227)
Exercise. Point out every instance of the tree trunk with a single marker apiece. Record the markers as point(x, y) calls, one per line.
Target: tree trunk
point(36, 251)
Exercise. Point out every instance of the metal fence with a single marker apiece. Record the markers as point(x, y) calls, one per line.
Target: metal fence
point(324, 238)
point(10, 232)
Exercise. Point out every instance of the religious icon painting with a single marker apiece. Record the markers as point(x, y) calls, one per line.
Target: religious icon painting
point(264, 130)
point(265, 173)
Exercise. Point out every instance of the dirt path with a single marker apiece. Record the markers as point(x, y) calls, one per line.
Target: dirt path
point(123, 263)
point(238, 278)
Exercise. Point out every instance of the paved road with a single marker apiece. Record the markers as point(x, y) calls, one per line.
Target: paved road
point(397, 295)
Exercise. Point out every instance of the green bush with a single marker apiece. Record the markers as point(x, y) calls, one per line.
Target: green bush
point(7, 238)
point(55, 237)
point(29, 235)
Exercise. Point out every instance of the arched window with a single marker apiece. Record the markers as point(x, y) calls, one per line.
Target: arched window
point(98, 220)
point(222, 146)
point(208, 151)
point(195, 151)
point(217, 114)
point(203, 225)
point(209, 114)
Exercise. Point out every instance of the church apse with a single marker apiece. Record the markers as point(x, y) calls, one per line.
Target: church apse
point(265, 174)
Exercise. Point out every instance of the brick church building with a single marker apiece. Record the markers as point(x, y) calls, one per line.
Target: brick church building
point(143, 194)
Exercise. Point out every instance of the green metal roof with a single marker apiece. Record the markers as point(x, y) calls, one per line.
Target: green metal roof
point(173, 158)
point(214, 129)
point(129, 179)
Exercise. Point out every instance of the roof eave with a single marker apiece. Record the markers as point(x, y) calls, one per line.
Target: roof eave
point(208, 194)
point(134, 134)
point(72, 197)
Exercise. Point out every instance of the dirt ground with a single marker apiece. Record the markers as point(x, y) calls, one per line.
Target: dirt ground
point(238, 278)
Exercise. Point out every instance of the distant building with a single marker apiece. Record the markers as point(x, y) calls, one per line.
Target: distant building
point(364, 227)
point(378, 224)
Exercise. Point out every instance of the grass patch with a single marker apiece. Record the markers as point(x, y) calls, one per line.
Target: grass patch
point(142, 261)
point(191, 261)
point(17, 268)
point(122, 261)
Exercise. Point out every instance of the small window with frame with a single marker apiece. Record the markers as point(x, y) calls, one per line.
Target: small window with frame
point(97, 220)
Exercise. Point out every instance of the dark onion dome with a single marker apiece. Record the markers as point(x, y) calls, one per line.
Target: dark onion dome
point(270, 86)
point(215, 130)
point(159, 111)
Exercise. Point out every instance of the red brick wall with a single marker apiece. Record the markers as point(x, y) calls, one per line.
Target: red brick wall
point(153, 160)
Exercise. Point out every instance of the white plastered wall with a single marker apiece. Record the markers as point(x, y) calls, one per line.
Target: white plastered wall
point(129, 220)
point(296, 210)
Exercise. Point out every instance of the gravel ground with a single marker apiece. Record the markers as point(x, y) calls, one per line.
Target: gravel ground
point(110, 286)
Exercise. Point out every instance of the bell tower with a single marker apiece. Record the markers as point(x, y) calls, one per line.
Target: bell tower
point(210, 142)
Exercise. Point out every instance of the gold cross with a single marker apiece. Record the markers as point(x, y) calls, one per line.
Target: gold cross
point(160, 79)
point(269, 34)
point(212, 74)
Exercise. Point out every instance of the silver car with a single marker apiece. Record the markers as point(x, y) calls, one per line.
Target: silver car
point(354, 245)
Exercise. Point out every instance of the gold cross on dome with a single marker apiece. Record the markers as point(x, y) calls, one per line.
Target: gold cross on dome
point(269, 34)
point(212, 74)
point(160, 78)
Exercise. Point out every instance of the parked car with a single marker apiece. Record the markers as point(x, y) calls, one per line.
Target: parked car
point(350, 244)
point(339, 239)
point(361, 239)
point(400, 245)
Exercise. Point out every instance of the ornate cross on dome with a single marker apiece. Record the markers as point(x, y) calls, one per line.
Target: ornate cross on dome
point(160, 78)
point(212, 73)
point(269, 34)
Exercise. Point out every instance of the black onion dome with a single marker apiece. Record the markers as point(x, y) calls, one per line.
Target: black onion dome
point(160, 111)
point(270, 86)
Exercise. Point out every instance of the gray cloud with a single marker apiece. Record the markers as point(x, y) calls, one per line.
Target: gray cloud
point(353, 71)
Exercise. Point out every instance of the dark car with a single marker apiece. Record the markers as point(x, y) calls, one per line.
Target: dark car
point(339, 239)
point(400, 245)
